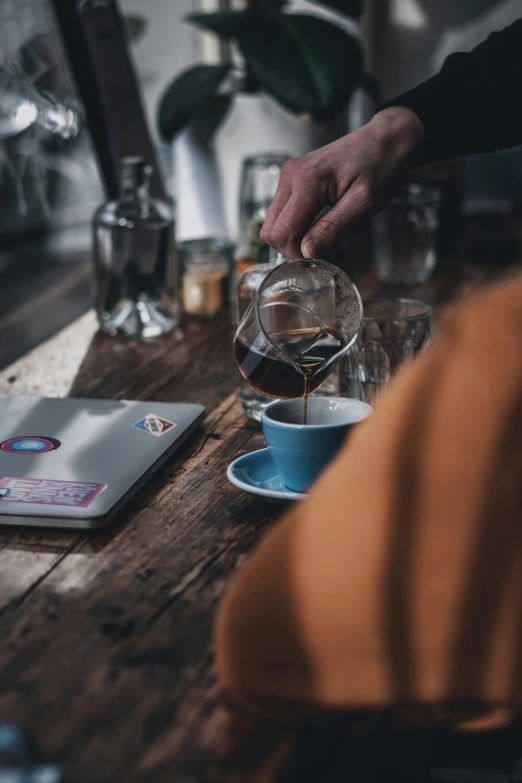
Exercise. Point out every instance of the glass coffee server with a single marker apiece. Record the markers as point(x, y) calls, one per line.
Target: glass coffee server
point(303, 319)
point(252, 400)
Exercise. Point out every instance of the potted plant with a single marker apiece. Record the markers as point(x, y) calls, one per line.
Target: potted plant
point(289, 75)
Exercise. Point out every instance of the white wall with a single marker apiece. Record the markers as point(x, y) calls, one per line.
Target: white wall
point(407, 34)
point(168, 45)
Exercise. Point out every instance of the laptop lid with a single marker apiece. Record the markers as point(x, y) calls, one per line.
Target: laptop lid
point(78, 458)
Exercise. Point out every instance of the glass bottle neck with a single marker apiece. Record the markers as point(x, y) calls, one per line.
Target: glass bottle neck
point(135, 192)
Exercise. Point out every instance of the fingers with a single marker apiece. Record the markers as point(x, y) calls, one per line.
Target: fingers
point(295, 220)
point(297, 201)
point(303, 194)
point(329, 229)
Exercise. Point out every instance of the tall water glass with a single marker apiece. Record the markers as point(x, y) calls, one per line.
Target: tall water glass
point(392, 332)
point(259, 179)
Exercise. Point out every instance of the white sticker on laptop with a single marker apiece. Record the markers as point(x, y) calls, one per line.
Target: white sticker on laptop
point(52, 492)
point(154, 425)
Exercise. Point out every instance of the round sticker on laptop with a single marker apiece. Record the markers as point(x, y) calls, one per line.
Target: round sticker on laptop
point(33, 444)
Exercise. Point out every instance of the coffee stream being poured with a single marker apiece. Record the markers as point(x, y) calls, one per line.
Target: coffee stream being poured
point(304, 316)
point(310, 350)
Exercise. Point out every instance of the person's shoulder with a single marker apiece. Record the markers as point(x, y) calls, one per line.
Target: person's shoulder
point(493, 310)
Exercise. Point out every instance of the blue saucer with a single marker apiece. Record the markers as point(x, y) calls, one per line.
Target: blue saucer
point(255, 473)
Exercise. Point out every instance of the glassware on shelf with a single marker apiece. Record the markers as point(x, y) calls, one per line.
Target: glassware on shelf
point(134, 259)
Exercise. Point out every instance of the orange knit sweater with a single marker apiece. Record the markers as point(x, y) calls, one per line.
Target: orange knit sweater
point(399, 579)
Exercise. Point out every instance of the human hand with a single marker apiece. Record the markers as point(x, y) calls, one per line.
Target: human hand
point(356, 175)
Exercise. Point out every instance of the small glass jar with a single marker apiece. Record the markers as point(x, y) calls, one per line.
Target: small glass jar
point(206, 277)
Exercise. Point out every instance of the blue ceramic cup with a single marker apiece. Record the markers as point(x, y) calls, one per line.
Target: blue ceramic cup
point(301, 451)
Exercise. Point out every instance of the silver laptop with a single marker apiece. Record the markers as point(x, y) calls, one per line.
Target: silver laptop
point(75, 463)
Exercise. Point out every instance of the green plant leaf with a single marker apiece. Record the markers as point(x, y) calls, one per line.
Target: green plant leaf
point(306, 63)
point(187, 95)
point(224, 23)
point(352, 8)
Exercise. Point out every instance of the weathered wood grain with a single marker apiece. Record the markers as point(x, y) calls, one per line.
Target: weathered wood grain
point(50, 369)
point(40, 294)
point(105, 637)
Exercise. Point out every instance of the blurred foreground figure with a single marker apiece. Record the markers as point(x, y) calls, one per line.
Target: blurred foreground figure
point(399, 579)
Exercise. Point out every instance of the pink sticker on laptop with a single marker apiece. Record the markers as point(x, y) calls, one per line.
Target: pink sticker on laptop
point(50, 492)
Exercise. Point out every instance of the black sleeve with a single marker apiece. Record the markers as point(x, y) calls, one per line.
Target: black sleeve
point(474, 104)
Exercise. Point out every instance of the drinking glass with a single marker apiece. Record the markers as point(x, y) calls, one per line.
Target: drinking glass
point(404, 235)
point(393, 331)
point(304, 318)
point(259, 180)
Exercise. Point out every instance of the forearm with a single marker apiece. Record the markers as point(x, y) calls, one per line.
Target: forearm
point(472, 104)
point(400, 134)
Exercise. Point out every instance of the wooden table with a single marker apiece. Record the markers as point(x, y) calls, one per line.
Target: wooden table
point(105, 653)
point(40, 293)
